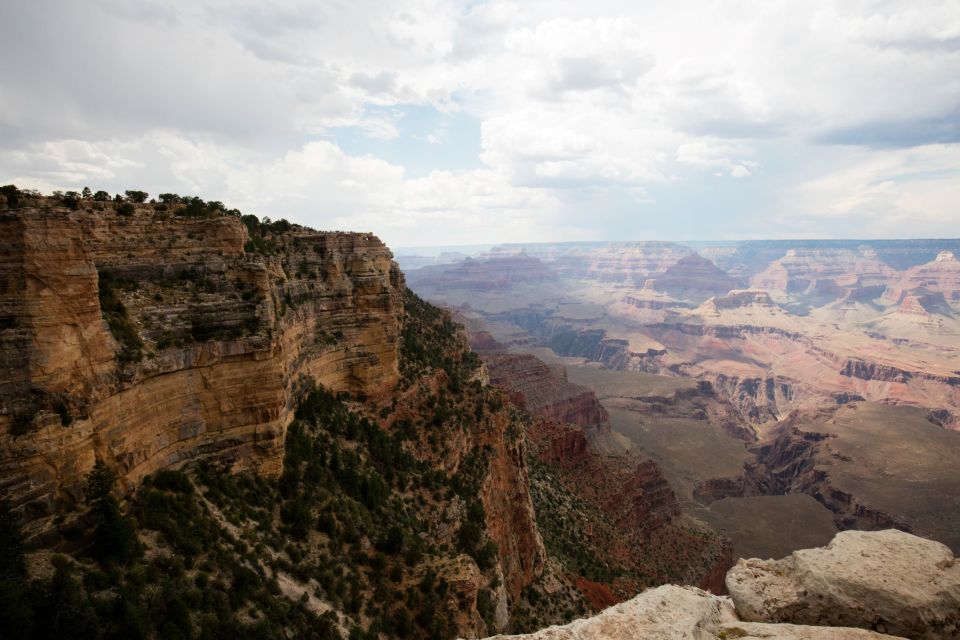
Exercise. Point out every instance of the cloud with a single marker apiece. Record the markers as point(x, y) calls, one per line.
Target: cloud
point(907, 193)
point(706, 153)
point(620, 112)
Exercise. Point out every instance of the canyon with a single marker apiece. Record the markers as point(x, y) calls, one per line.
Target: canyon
point(798, 356)
point(580, 423)
point(153, 339)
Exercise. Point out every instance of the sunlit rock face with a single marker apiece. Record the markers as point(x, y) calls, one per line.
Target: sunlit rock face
point(224, 334)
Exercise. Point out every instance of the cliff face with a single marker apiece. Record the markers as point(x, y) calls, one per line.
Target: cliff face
point(496, 274)
point(533, 385)
point(693, 277)
point(941, 275)
point(627, 519)
point(150, 341)
point(828, 271)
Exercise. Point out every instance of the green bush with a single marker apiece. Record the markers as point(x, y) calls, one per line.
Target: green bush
point(123, 330)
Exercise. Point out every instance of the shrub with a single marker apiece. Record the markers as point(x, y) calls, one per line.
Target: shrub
point(12, 194)
point(123, 330)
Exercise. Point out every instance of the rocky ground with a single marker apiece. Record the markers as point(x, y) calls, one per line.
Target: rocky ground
point(862, 586)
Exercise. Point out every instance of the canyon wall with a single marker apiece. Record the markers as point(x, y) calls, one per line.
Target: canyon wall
point(205, 352)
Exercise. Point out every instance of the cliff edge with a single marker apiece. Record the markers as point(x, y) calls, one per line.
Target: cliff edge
point(862, 586)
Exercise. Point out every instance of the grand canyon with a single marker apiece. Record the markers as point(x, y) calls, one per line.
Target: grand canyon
point(236, 405)
point(479, 319)
point(784, 389)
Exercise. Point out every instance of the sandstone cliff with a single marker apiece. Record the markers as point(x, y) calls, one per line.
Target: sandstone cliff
point(693, 277)
point(532, 385)
point(156, 336)
point(206, 348)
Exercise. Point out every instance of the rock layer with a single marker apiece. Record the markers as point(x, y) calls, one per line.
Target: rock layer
point(539, 389)
point(327, 306)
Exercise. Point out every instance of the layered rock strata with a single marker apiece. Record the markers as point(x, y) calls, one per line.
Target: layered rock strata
point(536, 387)
point(693, 277)
point(641, 530)
point(212, 342)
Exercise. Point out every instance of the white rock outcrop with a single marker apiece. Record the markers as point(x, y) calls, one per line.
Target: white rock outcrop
point(685, 613)
point(862, 586)
point(888, 581)
point(665, 613)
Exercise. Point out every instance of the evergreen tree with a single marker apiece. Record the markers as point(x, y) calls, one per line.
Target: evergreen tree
point(115, 534)
point(15, 610)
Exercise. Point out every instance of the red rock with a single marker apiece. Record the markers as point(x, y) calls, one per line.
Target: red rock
point(532, 385)
point(693, 277)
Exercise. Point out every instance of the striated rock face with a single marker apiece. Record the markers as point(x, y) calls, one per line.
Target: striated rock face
point(693, 277)
point(225, 335)
point(823, 272)
point(628, 263)
point(738, 299)
point(511, 521)
point(634, 523)
point(534, 386)
point(941, 275)
point(888, 581)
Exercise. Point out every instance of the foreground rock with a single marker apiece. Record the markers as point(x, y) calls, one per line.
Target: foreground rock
point(684, 613)
point(665, 613)
point(862, 586)
point(889, 581)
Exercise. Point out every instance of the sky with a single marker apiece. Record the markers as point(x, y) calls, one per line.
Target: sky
point(433, 122)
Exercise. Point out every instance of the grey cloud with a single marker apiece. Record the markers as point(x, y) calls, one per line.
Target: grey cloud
point(942, 129)
point(91, 75)
point(383, 82)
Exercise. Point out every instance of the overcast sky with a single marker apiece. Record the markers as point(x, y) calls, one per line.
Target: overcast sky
point(432, 122)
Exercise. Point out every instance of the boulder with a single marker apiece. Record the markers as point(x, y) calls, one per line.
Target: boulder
point(887, 581)
point(665, 613)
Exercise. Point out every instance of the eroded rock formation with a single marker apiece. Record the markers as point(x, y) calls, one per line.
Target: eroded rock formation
point(693, 277)
point(536, 387)
point(205, 352)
